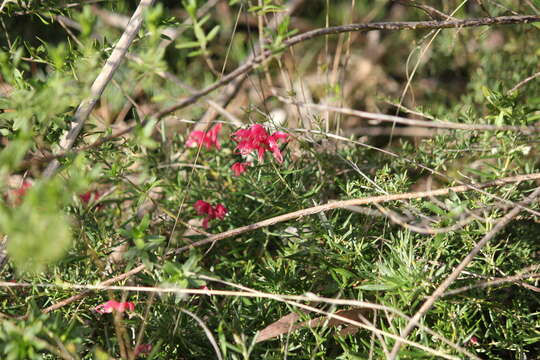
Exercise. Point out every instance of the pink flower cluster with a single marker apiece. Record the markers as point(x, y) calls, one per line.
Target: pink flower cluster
point(256, 138)
point(253, 139)
point(212, 212)
point(92, 195)
point(208, 139)
point(111, 305)
point(21, 191)
point(16, 196)
point(238, 168)
point(142, 349)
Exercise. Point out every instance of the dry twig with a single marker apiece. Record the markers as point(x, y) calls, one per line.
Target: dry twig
point(104, 77)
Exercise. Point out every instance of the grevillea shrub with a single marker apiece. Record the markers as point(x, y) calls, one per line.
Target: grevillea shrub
point(199, 213)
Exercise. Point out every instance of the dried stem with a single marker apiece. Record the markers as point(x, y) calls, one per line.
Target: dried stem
point(412, 122)
point(102, 80)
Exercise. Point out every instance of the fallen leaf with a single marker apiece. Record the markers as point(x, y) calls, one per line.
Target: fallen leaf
point(287, 324)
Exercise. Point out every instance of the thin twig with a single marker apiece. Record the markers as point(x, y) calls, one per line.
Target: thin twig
point(455, 273)
point(389, 26)
point(413, 122)
point(431, 11)
point(525, 81)
point(104, 77)
point(206, 331)
point(497, 281)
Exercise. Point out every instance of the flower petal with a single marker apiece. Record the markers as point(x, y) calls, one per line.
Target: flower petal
point(238, 168)
point(202, 207)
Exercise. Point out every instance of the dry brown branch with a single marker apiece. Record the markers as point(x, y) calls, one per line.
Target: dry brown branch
point(388, 26)
point(294, 215)
point(528, 274)
point(455, 273)
point(524, 81)
point(104, 77)
point(412, 122)
point(344, 203)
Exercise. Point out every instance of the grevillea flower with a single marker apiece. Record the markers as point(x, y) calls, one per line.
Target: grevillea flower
point(256, 138)
point(15, 196)
point(142, 349)
point(89, 195)
point(212, 212)
point(208, 139)
point(474, 341)
point(109, 306)
point(21, 191)
point(238, 168)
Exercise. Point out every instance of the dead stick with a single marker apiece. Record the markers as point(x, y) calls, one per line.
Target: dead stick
point(344, 203)
point(99, 85)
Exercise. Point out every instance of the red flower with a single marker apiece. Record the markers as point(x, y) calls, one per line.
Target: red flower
point(89, 195)
point(256, 138)
point(21, 191)
point(238, 168)
point(204, 208)
point(142, 349)
point(208, 139)
point(109, 306)
point(15, 196)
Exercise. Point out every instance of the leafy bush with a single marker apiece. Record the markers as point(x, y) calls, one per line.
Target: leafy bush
point(189, 223)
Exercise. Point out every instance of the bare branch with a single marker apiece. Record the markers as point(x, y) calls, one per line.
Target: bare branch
point(525, 81)
point(344, 203)
point(390, 26)
point(423, 123)
point(104, 77)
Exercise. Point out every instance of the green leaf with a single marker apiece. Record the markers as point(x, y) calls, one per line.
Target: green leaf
point(37, 239)
point(188, 44)
point(212, 34)
point(375, 287)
